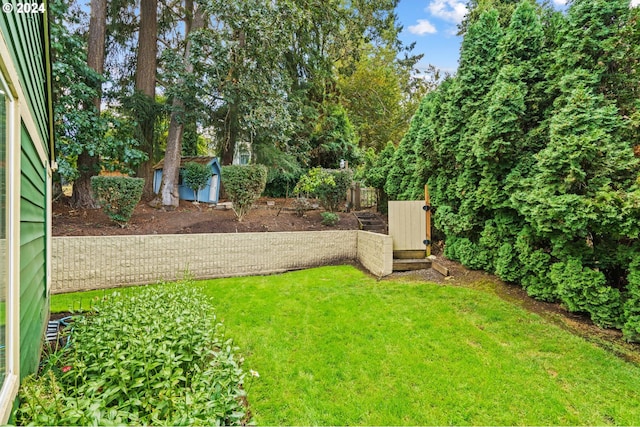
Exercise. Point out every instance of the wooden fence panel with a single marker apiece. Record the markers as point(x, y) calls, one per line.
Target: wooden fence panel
point(362, 197)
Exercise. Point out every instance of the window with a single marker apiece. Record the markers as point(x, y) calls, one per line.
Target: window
point(4, 99)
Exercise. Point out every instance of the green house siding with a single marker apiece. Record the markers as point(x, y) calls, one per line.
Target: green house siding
point(33, 257)
point(24, 35)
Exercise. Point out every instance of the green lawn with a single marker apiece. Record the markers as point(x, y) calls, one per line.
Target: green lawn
point(334, 346)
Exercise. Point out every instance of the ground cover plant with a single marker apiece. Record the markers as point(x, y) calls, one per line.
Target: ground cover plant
point(144, 356)
point(336, 347)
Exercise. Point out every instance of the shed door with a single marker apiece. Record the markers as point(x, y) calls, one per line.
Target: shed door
point(213, 188)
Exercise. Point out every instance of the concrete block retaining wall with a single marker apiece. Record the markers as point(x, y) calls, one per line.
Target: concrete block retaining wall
point(83, 263)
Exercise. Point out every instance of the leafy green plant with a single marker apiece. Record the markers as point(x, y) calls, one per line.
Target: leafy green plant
point(631, 327)
point(150, 356)
point(330, 218)
point(196, 176)
point(244, 185)
point(330, 186)
point(118, 196)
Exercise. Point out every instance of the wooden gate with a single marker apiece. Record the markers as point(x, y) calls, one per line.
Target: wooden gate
point(361, 197)
point(410, 225)
point(407, 225)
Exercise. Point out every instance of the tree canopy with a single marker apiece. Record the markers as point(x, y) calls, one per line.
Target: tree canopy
point(278, 80)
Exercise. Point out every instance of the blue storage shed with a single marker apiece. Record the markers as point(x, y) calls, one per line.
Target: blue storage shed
point(209, 194)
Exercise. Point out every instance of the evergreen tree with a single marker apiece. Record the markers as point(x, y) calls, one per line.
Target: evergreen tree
point(529, 154)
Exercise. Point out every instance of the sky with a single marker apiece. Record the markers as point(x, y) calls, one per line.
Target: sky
point(432, 25)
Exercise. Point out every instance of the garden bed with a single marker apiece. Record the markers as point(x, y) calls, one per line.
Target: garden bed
point(269, 214)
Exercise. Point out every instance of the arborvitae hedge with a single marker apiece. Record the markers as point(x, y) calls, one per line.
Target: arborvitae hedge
point(528, 153)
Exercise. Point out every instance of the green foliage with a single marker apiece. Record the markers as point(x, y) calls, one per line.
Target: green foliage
point(329, 218)
point(374, 96)
point(196, 176)
point(631, 327)
point(365, 330)
point(468, 253)
point(284, 170)
point(330, 186)
point(151, 356)
point(334, 139)
point(244, 185)
point(528, 153)
point(80, 128)
point(118, 196)
point(584, 290)
point(376, 167)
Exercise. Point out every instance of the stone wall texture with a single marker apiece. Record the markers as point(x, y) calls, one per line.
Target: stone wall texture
point(375, 252)
point(83, 263)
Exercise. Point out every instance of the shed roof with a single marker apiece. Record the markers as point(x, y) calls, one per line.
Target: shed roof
point(204, 160)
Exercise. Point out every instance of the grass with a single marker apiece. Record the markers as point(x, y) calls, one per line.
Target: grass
point(334, 346)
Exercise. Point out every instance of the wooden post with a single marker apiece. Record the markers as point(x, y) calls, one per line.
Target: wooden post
point(427, 203)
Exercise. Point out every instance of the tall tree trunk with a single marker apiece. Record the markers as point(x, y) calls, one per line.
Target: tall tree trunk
point(169, 189)
point(146, 86)
point(87, 164)
point(231, 137)
point(232, 119)
point(169, 197)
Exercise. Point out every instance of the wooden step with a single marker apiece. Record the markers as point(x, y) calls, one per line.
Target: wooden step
point(371, 222)
point(411, 264)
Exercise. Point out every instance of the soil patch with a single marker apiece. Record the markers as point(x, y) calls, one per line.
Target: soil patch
point(268, 215)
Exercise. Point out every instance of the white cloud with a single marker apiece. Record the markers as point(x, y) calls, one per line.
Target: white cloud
point(422, 27)
point(560, 2)
point(635, 3)
point(449, 10)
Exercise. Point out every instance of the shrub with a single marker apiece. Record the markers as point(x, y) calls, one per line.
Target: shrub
point(631, 327)
point(301, 206)
point(329, 218)
point(118, 196)
point(244, 185)
point(196, 176)
point(467, 252)
point(506, 264)
point(153, 357)
point(583, 289)
point(330, 186)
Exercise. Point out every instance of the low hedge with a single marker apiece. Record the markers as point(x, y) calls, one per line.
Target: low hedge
point(244, 185)
point(117, 195)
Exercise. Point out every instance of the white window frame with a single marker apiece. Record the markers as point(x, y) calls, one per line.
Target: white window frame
point(11, 383)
